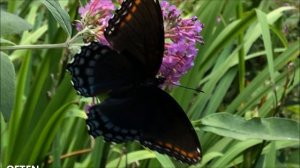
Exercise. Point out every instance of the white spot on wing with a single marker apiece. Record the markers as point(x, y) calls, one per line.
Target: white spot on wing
point(92, 63)
point(89, 71)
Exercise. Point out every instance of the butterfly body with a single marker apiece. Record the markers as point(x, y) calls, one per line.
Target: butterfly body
point(136, 107)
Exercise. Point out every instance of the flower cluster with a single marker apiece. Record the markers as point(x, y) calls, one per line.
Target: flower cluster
point(181, 36)
point(95, 15)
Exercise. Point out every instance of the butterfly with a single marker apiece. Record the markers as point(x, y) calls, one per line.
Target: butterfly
point(136, 107)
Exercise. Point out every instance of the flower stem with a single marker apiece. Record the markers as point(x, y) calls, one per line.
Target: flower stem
point(38, 46)
point(45, 46)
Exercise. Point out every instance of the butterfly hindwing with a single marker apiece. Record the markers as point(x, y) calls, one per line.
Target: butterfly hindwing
point(97, 69)
point(150, 116)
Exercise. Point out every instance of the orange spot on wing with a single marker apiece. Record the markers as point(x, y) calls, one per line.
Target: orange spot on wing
point(183, 153)
point(169, 145)
point(128, 17)
point(160, 143)
point(137, 2)
point(177, 149)
point(191, 155)
point(122, 24)
point(133, 9)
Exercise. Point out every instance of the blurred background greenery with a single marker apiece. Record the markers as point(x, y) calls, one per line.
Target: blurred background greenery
point(248, 68)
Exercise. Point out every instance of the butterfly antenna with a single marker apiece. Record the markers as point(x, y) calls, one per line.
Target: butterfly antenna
point(189, 88)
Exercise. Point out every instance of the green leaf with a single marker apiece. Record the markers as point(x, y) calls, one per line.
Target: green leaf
point(131, 158)
point(263, 21)
point(235, 150)
point(4, 41)
point(7, 85)
point(209, 157)
point(226, 124)
point(164, 160)
point(76, 112)
point(14, 130)
point(246, 96)
point(230, 32)
point(270, 158)
point(281, 145)
point(59, 14)
point(12, 24)
point(280, 35)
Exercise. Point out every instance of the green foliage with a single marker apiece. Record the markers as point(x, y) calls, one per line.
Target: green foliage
point(12, 24)
point(248, 68)
point(8, 85)
point(272, 128)
point(60, 15)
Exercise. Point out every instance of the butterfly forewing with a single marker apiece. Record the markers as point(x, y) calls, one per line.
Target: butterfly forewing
point(137, 28)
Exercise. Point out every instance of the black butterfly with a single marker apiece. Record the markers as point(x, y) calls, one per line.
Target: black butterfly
point(136, 109)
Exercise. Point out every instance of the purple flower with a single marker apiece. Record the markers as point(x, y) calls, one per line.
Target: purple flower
point(181, 36)
point(95, 15)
